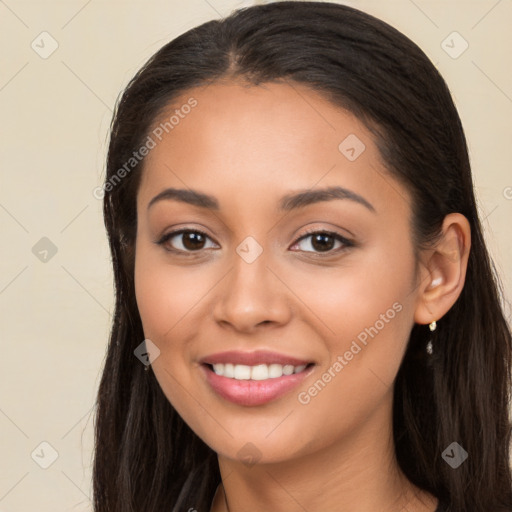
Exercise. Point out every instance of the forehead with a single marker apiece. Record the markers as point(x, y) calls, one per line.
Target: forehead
point(250, 140)
point(274, 119)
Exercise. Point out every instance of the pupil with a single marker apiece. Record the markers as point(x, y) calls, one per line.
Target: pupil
point(192, 237)
point(319, 242)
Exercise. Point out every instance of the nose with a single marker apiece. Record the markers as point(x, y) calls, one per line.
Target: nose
point(252, 296)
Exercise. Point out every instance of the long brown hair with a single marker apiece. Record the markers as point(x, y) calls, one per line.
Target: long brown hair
point(146, 458)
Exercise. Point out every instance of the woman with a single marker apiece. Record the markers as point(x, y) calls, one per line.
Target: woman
point(299, 259)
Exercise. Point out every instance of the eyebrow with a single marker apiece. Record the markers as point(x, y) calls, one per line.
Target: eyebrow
point(288, 202)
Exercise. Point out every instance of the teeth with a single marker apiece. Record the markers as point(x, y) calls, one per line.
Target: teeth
point(275, 370)
point(229, 370)
point(258, 372)
point(287, 369)
point(242, 372)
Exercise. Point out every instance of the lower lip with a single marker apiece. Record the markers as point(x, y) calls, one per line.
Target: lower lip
point(253, 392)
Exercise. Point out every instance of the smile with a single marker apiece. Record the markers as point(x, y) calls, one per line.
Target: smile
point(253, 379)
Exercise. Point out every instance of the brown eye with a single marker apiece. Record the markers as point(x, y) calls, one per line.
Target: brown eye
point(323, 242)
point(193, 241)
point(186, 240)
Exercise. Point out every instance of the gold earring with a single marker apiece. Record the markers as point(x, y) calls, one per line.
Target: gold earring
point(432, 326)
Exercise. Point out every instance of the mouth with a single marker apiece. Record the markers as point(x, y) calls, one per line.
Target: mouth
point(251, 385)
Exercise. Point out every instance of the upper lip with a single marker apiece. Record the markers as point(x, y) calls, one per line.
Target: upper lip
point(253, 358)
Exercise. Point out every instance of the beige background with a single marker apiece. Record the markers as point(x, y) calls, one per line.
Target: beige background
point(55, 112)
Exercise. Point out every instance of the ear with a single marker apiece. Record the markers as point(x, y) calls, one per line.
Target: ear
point(443, 270)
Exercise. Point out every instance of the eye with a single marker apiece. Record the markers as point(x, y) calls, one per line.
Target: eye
point(193, 240)
point(323, 241)
point(190, 240)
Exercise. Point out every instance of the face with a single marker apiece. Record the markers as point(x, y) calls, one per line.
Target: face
point(281, 319)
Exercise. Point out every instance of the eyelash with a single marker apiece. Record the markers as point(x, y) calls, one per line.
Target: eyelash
point(346, 243)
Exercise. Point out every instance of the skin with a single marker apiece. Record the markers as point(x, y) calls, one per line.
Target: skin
point(248, 146)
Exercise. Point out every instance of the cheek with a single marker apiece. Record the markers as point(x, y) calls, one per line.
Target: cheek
point(164, 299)
point(166, 294)
point(170, 301)
point(364, 313)
point(364, 290)
point(367, 317)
